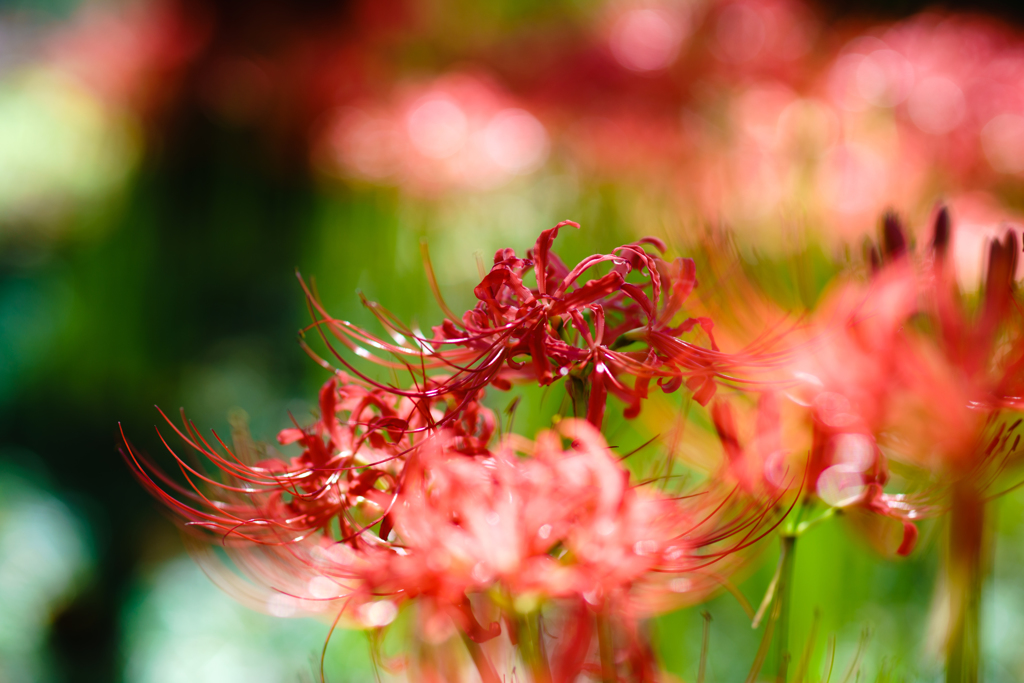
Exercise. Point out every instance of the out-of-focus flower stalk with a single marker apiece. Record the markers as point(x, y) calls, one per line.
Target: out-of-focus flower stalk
point(530, 633)
point(787, 562)
point(480, 660)
point(964, 580)
point(606, 647)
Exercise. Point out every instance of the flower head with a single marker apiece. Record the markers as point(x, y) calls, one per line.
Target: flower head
point(606, 334)
point(898, 368)
point(400, 494)
point(351, 462)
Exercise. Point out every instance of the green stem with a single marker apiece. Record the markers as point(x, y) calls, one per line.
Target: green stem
point(702, 668)
point(531, 644)
point(805, 660)
point(606, 648)
point(964, 578)
point(542, 672)
point(783, 597)
point(762, 649)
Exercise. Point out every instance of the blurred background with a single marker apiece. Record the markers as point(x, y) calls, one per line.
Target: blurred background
point(167, 165)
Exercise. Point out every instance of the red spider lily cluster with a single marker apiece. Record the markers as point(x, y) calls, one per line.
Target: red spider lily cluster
point(781, 118)
point(783, 123)
point(902, 370)
point(543, 554)
point(406, 495)
point(548, 554)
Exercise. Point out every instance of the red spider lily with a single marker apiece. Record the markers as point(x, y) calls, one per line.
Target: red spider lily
point(902, 366)
point(844, 467)
point(347, 473)
point(845, 376)
point(374, 513)
point(536, 523)
point(920, 363)
point(398, 496)
point(500, 518)
point(957, 376)
point(459, 132)
point(564, 327)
